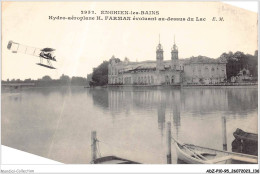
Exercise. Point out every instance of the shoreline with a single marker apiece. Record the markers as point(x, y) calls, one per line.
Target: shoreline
point(221, 86)
point(251, 85)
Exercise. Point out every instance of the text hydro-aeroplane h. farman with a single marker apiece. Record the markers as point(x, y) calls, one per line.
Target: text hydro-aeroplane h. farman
point(45, 53)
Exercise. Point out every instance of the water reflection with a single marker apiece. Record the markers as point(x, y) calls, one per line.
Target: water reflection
point(57, 122)
point(241, 101)
point(204, 101)
point(176, 110)
point(161, 117)
point(100, 97)
point(198, 101)
point(177, 103)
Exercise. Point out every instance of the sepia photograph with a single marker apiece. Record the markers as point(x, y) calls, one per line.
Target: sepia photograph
point(90, 83)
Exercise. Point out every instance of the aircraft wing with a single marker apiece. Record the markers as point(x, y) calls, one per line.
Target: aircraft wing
point(19, 48)
point(48, 49)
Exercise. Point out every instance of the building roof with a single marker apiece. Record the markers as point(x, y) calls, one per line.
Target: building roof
point(203, 59)
point(146, 65)
point(140, 65)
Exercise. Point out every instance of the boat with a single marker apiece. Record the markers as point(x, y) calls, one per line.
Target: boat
point(245, 136)
point(113, 160)
point(246, 147)
point(193, 154)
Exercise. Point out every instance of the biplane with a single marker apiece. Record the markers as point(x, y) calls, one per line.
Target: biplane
point(45, 53)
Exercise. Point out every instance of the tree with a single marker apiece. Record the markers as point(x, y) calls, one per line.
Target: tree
point(46, 78)
point(81, 81)
point(64, 78)
point(238, 61)
point(100, 75)
point(28, 80)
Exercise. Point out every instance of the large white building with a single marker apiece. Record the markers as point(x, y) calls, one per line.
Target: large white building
point(194, 70)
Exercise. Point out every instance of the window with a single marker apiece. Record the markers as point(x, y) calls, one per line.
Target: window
point(172, 80)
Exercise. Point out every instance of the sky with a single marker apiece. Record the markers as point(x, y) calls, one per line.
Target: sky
point(82, 45)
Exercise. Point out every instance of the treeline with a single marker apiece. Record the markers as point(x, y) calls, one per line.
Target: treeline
point(45, 81)
point(100, 75)
point(238, 61)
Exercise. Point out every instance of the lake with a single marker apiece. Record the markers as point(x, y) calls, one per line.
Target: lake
point(130, 122)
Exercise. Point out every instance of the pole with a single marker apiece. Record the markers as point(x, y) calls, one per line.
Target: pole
point(224, 133)
point(94, 145)
point(169, 136)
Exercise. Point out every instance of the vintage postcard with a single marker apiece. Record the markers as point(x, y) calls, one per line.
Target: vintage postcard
point(130, 83)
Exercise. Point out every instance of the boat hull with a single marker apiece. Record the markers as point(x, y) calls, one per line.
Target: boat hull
point(186, 158)
point(215, 156)
point(113, 160)
point(245, 136)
